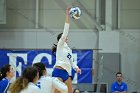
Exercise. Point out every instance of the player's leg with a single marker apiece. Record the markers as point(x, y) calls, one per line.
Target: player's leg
point(56, 90)
point(59, 85)
point(69, 84)
point(61, 74)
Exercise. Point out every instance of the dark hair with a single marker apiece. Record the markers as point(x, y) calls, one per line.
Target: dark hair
point(41, 67)
point(22, 82)
point(4, 70)
point(118, 73)
point(54, 47)
point(30, 73)
point(59, 36)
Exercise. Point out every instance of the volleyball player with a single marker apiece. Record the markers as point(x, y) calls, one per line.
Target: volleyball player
point(27, 82)
point(6, 74)
point(64, 59)
point(48, 84)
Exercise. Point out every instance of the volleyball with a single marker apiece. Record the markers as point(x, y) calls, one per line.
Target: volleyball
point(75, 12)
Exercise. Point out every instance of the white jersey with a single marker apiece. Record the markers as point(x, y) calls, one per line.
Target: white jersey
point(49, 84)
point(64, 53)
point(31, 88)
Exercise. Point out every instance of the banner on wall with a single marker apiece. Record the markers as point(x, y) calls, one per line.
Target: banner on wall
point(20, 59)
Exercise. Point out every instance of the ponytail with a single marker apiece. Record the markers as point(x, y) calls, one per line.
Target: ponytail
point(20, 84)
point(54, 47)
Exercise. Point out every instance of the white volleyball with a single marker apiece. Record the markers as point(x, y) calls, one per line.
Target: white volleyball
point(75, 12)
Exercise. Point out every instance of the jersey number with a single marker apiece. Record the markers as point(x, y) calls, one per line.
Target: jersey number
point(69, 56)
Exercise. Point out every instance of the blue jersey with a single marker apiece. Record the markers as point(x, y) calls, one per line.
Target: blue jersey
point(4, 85)
point(118, 87)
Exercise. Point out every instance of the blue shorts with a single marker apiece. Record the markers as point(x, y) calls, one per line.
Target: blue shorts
point(60, 73)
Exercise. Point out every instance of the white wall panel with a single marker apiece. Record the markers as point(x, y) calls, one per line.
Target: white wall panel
point(2, 11)
point(109, 41)
point(130, 4)
point(17, 39)
point(130, 14)
point(21, 14)
point(42, 39)
point(130, 19)
point(130, 57)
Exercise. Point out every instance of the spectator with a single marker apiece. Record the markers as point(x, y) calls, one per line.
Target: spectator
point(119, 86)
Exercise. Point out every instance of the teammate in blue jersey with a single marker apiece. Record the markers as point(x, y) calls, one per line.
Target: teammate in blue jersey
point(6, 74)
point(64, 58)
point(46, 83)
point(119, 86)
point(27, 82)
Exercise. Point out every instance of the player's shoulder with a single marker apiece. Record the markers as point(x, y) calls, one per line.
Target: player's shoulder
point(49, 77)
point(124, 83)
point(46, 78)
point(114, 83)
point(4, 81)
point(32, 86)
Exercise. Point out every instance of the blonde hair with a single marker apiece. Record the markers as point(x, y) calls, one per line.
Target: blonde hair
point(20, 84)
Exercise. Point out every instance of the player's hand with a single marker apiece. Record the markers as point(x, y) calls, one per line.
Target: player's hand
point(78, 70)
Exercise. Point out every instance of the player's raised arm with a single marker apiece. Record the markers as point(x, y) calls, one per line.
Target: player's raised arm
point(66, 26)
